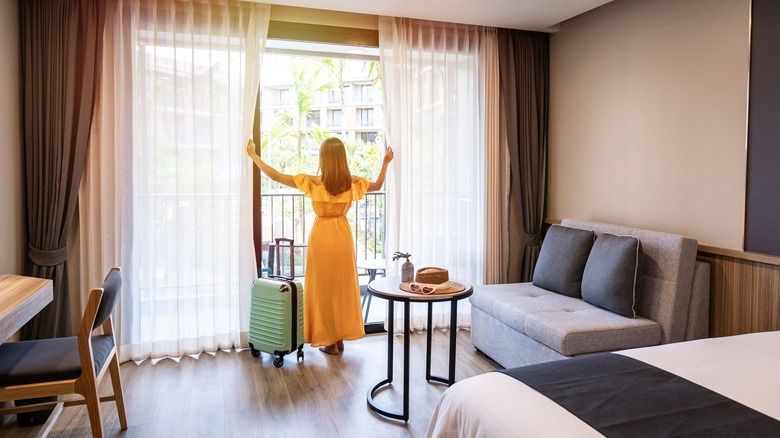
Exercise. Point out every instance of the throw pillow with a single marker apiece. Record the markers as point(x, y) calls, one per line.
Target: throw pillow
point(562, 260)
point(613, 274)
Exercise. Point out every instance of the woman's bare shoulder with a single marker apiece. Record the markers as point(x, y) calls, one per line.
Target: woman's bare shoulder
point(315, 179)
point(355, 178)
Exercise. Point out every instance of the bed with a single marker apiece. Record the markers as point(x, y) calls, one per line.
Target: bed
point(744, 368)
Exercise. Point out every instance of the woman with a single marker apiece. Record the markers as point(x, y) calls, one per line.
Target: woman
point(331, 313)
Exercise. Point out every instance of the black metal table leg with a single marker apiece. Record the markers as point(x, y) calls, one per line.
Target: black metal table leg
point(428, 344)
point(407, 304)
point(450, 379)
point(390, 330)
point(404, 415)
point(453, 339)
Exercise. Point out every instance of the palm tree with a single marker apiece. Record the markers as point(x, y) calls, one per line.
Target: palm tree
point(374, 74)
point(336, 67)
point(306, 84)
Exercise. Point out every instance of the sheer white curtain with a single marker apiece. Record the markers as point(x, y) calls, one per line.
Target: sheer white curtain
point(168, 161)
point(434, 82)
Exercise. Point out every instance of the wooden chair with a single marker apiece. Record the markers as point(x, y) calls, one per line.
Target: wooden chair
point(73, 365)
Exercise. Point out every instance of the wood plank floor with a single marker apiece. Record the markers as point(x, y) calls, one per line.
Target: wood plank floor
point(232, 394)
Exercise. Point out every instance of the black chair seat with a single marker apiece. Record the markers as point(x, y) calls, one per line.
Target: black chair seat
point(47, 360)
point(35, 373)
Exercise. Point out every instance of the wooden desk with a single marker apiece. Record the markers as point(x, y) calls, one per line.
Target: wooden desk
point(21, 298)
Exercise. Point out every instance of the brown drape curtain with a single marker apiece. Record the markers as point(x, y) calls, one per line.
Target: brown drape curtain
point(524, 77)
point(61, 45)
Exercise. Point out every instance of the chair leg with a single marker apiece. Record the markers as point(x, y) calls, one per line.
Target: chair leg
point(119, 398)
point(92, 399)
point(49, 424)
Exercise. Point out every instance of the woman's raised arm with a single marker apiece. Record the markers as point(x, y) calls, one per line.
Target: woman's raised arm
point(377, 185)
point(272, 173)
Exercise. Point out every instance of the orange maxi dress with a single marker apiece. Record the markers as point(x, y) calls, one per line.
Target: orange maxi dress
point(331, 294)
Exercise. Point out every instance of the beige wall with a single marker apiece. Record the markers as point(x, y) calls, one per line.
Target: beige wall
point(648, 117)
point(12, 228)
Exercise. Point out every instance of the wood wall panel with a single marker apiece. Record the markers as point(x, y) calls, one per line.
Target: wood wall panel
point(744, 295)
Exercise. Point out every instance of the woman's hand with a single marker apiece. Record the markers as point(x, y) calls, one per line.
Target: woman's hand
point(388, 156)
point(251, 149)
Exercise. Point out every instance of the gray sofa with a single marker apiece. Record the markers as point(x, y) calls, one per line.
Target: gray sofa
point(522, 324)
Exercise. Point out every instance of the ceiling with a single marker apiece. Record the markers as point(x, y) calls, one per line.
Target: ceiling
point(538, 15)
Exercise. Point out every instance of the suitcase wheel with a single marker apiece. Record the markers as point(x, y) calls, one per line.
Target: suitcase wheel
point(300, 354)
point(255, 353)
point(278, 361)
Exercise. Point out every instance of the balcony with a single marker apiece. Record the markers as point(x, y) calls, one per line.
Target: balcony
point(289, 215)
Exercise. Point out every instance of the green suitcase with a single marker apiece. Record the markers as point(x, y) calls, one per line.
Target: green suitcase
point(276, 317)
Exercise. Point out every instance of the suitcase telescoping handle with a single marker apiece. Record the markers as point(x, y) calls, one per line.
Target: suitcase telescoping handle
point(289, 284)
point(290, 244)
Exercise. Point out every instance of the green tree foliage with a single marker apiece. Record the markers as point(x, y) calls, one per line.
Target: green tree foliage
point(291, 127)
point(365, 159)
point(372, 73)
point(292, 144)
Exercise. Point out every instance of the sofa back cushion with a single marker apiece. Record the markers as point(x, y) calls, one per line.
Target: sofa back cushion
point(613, 274)
point(667, 275)
point(562, 260)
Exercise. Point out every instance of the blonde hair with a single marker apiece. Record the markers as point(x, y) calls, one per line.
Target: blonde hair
point(334, 168)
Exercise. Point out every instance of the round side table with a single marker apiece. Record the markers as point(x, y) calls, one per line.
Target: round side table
point(388, 288)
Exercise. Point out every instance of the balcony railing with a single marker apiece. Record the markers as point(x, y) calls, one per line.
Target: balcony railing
point(290, 215)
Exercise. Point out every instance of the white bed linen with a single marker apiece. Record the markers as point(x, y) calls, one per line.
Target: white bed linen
point(743, 368)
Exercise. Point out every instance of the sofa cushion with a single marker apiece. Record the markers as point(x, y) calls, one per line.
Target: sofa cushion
point(512, 303)
point(574, 332)
point(613, 274)
point(562, 260)
point(567, 325)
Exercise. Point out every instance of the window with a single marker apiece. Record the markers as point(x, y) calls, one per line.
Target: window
point(321, 105)
point(280, 96)
point(334, 118)
point(366, 116)
point(368, 137)
point(366, 91)
point(335, 95)
point(313, 118)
